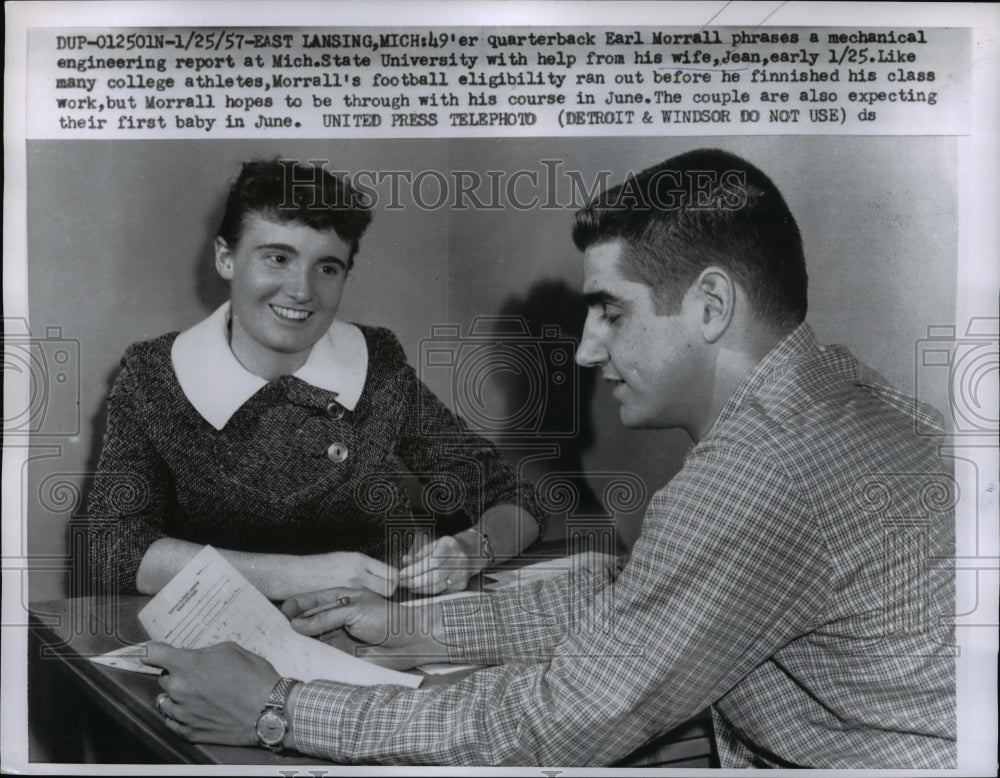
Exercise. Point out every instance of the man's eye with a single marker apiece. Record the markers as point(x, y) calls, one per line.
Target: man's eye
point(276, 259)
point(330, 270)
point(610, 316)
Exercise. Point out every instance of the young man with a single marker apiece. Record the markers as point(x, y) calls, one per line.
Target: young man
point(786, 576)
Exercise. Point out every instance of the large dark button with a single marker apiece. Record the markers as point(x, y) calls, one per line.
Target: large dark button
point(337, 452)
point(335, 411)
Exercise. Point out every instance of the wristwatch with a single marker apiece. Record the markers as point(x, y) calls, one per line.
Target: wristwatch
point(272, 726)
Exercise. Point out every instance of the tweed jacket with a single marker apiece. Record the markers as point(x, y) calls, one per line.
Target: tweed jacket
point(197, 448)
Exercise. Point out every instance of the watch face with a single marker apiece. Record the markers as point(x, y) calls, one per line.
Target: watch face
point(271, 728)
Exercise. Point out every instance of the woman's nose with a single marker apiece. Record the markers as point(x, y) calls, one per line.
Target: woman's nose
point(299, 286)
point(591, 352)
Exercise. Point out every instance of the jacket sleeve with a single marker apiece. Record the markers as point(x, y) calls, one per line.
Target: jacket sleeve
point(462, 469)
point(128, 499)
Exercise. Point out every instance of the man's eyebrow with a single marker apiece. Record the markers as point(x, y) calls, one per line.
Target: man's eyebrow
point(601, 298)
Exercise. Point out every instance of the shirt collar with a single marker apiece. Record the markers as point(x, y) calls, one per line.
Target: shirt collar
point(217, 385)
point(798, 342)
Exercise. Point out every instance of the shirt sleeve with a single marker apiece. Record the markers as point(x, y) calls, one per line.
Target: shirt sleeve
point(525, 624)
point(126, 503)
point(466, 470)
point(728, 568)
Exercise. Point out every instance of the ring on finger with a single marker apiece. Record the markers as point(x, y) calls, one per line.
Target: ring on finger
point(447, 583)
point(160, 699)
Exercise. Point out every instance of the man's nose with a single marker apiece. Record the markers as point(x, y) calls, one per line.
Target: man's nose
point(591, 352)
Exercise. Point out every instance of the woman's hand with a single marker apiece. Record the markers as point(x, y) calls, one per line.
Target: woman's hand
point(348, 569)
point(445, 565)
point(401, 637)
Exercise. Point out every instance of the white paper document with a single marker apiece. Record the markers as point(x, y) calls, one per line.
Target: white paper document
point(210, 602)
point(127, 658)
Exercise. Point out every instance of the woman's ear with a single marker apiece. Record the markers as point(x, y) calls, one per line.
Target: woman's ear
point(717, 295)
point(223, 258)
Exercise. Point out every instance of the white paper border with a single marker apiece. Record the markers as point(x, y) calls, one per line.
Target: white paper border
point(978, 274)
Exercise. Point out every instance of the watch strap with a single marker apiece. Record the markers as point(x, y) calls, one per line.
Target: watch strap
point(279, 694)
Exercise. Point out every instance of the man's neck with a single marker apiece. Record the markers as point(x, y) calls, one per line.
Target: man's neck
point(732, 366)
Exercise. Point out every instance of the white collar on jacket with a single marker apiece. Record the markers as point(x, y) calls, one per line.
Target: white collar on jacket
point(217, 385)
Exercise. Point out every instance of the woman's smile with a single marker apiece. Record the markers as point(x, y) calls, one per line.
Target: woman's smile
point(304, 269)
point(291, 314)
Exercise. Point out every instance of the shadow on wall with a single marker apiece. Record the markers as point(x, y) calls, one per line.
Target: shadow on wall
point(547, 399)
point(211, 289)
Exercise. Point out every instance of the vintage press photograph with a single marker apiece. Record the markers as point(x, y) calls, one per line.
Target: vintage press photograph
point(499, 352)
point(513, 435)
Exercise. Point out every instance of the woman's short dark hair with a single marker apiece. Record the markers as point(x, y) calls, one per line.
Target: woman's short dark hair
point(289, 191)
point(702, 208)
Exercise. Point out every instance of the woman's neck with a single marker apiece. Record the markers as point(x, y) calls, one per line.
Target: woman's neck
point(261, 361)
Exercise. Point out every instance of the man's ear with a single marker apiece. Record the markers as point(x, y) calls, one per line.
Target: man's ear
point(717, 301)
point(223, 258)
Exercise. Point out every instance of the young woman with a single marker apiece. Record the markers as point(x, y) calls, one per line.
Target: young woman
point(280, 434)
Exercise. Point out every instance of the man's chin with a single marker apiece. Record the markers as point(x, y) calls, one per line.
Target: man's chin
point(631, 420)
point(635, 420)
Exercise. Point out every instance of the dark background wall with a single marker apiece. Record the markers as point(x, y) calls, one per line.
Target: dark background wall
point(119, 249)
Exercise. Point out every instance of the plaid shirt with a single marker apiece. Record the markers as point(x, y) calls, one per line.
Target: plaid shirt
point(788, 576)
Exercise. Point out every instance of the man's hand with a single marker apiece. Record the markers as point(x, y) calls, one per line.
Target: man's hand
point(214, 694)
point(400, 637)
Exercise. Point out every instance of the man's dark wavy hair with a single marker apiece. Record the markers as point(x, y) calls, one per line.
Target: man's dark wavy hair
point(702, 208)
